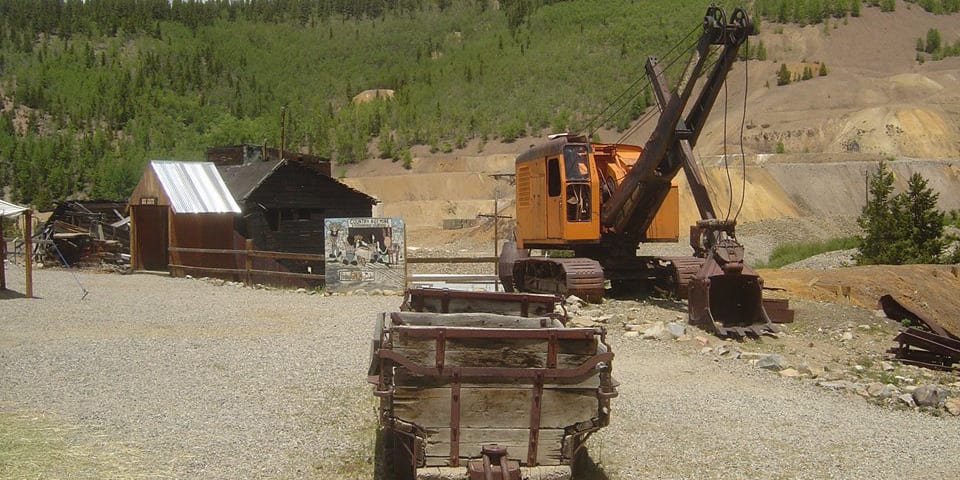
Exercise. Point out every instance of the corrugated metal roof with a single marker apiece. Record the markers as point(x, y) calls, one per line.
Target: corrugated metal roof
point(8, 209)
point(194, 187)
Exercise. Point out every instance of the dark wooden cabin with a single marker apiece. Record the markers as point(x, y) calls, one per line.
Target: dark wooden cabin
point(284, 202)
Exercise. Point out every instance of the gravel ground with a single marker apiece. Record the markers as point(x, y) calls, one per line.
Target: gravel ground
point(197, 380)
point(154, 377)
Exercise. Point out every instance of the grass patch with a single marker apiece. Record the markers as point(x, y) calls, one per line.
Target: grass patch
point(37, 446)
point(787, 253)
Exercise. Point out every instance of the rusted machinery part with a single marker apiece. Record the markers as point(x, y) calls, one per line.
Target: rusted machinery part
point(927, 349)
point(494, 464)
point(509, 253)
point(897, 309)
point(582, 277)
point(684, 270)
point(728, 301)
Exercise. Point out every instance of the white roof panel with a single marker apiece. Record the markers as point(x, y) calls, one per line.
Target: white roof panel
point(8, 209)
point(194, 187)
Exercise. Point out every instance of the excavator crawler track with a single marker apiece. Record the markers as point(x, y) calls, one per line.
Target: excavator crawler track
point(582, 277)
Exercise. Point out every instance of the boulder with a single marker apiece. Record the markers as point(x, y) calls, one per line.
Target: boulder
point(881, 390)
point(581, 321)
point(658, 331)
point(907, 399)
point(953, 406)
point(929, 395)
point(676, 329)
point(790, 373)
point(772, 361)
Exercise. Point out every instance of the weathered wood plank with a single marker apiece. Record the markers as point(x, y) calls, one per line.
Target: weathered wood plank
point(493, 407)
point(404, 378)
point(495, 352)
point(475, 319)
point(515, 440)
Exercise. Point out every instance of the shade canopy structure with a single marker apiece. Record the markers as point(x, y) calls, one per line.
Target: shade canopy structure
point(11, 210)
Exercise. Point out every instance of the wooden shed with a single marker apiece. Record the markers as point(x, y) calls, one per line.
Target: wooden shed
point(181, 205)
point(284, 202)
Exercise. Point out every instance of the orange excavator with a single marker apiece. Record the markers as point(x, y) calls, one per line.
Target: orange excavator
point(600, 201)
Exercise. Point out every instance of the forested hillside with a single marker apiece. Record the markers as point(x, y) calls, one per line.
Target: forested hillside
point(92, 89)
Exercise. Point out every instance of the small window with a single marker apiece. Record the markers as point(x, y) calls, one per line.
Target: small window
point(553, 177)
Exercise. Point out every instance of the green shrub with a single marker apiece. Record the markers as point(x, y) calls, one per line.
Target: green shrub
point(933, 40)
point(791, 252)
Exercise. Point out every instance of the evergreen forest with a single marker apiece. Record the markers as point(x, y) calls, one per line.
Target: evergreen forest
point(92, 89)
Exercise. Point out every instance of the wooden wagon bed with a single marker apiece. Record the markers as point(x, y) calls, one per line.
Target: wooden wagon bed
point(451, 383)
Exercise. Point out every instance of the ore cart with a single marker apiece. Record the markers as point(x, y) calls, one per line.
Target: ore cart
point(486, 395)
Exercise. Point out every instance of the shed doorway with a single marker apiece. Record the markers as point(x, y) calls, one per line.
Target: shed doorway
point(152, 236)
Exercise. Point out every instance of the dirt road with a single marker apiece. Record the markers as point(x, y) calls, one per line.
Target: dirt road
point(153, 377)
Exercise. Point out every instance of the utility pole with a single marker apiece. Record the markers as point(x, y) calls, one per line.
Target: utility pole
point(496, 224)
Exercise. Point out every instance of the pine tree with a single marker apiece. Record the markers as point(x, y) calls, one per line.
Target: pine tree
point(924, 223)
point(783, 75)
point(823, 70)
point(933, 40)
point(902, 228)
point(877, 221)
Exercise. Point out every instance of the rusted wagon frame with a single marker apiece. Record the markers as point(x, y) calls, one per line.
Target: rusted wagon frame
point(522, 304)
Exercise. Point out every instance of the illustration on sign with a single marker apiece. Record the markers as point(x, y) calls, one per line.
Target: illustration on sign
point(364, 254)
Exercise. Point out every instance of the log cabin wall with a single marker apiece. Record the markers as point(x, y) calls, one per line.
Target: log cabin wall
point(286, 212)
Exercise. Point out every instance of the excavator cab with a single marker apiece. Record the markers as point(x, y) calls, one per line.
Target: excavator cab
point(557, 195)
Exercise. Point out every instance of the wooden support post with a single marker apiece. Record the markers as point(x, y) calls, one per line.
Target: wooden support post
point(134, 251)
point(28, 248)
point(248, 261)
point(3, 258)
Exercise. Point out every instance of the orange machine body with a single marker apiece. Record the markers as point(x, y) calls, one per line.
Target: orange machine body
point(562, 185)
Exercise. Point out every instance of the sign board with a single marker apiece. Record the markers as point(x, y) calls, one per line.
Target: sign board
point(365, 254)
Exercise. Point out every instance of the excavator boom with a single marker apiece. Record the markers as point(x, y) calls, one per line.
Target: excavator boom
point(557, 205)
point(632, 207)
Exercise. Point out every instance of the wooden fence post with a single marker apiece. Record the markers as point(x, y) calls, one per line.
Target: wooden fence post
point(248, 261)
point(28, 247)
